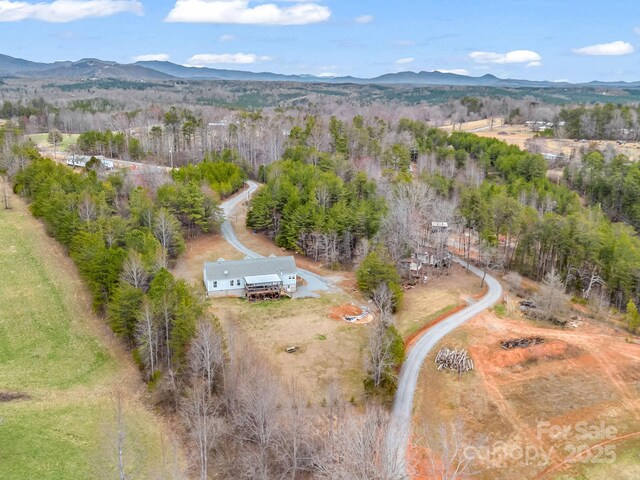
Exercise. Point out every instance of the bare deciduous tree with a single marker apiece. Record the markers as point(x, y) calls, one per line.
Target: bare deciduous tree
point(200, 413)
point(550, 298)
point(514, 281)
point(206, 354)
point(294, 439)
point(134, 271)
point(87, 209)
point(148, 337)
point(408, 219)
point(449, 459)
point(166, 228)
point(357, 450)
point(379, 355)
point(383, 300)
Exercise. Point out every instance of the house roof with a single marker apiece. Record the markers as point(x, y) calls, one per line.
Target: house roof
point(221, 269)
point(271, 278)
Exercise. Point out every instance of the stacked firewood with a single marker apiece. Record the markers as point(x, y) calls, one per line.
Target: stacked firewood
point(456, 360)
point(521, 342)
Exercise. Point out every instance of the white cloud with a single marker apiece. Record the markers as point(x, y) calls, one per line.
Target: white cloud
point(456, 71)
point(533, 64)
point(229, 58)
point(326, 75)
point(405, 43)
point(226, 38)
point(151, 57)
point(606, 49)
point(516, 56)
point(364, 19)
point(61, 11)
point(404, 61)
point(241, 12)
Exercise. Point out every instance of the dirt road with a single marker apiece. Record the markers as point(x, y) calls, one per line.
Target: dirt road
point(398, 434)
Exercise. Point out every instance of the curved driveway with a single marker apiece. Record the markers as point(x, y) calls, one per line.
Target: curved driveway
point(313, 282)
point(400, 425)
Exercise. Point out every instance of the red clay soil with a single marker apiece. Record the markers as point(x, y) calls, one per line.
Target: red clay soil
point(555, 349)
point(340, 311)
point(588, 374)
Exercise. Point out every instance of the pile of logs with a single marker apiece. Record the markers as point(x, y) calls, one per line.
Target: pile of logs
point(521, 342)
point(457, 360)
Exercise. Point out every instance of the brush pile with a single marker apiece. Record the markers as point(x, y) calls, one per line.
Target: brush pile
point(521, 342)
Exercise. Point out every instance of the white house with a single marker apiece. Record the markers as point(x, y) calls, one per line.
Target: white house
point(82, 160)
point(254, 278)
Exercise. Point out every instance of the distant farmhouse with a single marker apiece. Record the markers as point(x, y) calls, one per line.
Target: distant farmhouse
point(253, 278)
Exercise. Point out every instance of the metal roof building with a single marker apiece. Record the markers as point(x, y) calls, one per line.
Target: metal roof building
point(250, 276)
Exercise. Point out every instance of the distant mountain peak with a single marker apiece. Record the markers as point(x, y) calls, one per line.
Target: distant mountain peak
point(164, 70)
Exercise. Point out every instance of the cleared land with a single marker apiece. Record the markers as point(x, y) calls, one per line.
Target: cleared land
point(521, 135)
point(586, 374)
point(67, 366)
point(47, 149)
point(331, 351)
point(426, 303)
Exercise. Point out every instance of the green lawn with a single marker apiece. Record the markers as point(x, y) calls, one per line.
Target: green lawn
point(39, 346)
point(67, 140)
point(52, 351)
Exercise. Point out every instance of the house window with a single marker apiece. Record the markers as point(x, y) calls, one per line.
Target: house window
point(232, 283)
point(215, 284)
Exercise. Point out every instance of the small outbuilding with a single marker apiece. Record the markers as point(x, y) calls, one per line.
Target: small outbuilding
point(253, 278)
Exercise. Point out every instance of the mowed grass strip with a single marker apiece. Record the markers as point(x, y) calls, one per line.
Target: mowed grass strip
point(42, 344)
point(54, 353)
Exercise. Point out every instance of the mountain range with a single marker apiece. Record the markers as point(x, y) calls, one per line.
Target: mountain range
point(92, 68)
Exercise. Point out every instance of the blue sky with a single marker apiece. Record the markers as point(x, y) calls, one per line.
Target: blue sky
point(540, 40)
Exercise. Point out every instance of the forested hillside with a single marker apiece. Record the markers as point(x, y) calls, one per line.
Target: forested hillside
point(123, 239)
point(614, 183)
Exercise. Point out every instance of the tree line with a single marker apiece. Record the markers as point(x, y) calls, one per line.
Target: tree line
point(310, 209)
point(123, 241)
point(613, 183)
point(601, 122)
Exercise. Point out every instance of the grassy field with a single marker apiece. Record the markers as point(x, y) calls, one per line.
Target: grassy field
point(329, 351)
point(625, 466)
point(425, 303)
point(67, 367)
point(40, 139)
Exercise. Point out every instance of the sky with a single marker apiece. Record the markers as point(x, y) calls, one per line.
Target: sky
point(556, 40)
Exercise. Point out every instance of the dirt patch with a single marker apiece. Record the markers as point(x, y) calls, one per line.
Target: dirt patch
point(340, 311)
point(587, 375)
point(13, 396)
point(553, 350)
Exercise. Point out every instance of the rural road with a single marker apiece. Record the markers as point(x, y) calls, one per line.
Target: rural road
point(400, 425)
point(313, 282)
